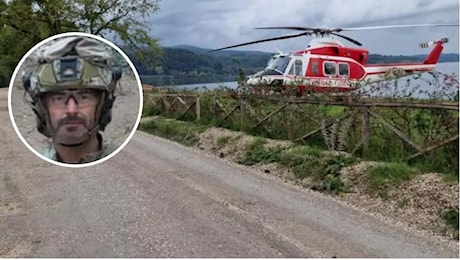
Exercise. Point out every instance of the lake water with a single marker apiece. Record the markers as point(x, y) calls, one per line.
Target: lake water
point(422, 86)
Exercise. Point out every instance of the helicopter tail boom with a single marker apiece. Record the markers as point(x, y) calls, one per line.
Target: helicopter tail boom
point(434, 55)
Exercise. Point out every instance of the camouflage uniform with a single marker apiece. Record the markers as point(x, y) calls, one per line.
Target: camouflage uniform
point(106, 149)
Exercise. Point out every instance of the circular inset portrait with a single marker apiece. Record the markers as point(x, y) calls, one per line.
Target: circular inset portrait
point(75, 99)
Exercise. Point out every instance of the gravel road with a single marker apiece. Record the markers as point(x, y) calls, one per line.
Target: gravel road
point(158, 199)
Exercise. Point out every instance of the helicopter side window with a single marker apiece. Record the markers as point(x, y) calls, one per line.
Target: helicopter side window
point(298, 67)
point(344, 70)
point(314, 68)
point(330, 68)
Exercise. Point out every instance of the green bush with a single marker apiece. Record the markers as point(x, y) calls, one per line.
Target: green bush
point(323, 168)
point(334, 165)
point(304, 161)
point(423, 126)
point(334, 185)
point(183, 132)
point(257, 153)
point(451, 218)
point(223, 140)
point(149, 109)
point(385, 176)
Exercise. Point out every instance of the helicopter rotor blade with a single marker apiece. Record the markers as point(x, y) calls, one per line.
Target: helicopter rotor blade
point(347, 38)
point(264, 40)
point(393, 26)
point(326, 31)
point(298, 28)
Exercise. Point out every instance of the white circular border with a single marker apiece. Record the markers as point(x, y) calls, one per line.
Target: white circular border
point(136, 74)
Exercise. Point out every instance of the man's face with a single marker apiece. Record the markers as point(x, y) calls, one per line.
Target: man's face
point(72, 114)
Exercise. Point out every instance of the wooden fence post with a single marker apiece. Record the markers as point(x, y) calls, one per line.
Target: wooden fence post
point(198, 108)
point(241, 102)
point(366, 129)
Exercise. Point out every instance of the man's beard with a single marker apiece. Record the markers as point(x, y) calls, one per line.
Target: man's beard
point(73, 131)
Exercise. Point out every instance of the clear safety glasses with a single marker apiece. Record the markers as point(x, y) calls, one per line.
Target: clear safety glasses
point(83, 98)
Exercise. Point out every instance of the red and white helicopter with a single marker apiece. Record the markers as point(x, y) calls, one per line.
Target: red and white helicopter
point(328, 65)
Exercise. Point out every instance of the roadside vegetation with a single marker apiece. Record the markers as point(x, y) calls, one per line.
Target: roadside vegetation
point(342, 127)
point(183, 132)
point(320, 161)
point(308, 166)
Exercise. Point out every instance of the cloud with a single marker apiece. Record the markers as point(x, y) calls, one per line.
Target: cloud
point(219, 23)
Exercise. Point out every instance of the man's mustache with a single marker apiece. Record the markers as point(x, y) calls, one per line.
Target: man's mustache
point(71, 120)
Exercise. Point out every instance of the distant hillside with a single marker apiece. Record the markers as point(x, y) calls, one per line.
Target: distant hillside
point(445, 57)
point(251, 55)
point(217, 53)
point(186, 64)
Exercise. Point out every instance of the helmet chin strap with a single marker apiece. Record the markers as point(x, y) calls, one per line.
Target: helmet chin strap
point(73, 142)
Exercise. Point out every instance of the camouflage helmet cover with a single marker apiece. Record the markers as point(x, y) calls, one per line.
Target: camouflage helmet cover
point(72, 62)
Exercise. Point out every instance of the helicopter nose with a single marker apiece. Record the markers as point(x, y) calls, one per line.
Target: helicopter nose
point(250, 80)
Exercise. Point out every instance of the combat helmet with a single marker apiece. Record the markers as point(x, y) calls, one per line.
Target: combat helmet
point(73, 62)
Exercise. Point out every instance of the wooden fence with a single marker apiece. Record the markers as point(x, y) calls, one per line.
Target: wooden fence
point(243, 109)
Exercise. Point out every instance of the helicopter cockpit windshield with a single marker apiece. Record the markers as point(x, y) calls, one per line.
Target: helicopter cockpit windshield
point(275, 66)
point(278, 63)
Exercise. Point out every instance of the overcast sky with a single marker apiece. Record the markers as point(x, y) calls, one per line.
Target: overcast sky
point(219, 23)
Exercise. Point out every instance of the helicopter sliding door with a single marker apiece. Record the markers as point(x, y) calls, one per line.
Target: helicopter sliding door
point(331, 74)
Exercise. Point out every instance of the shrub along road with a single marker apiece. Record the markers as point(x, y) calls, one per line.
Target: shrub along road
point(159, 199)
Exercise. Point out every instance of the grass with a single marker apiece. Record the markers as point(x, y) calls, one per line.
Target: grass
point(319, 166)
point(223, 140)
point(149, 109)
point(382, 177)
point(334, 111)
point(303, 160)
point(423, 126)
point(257, 153)
point(451, 218)
point(179, 131)
point(322, 168)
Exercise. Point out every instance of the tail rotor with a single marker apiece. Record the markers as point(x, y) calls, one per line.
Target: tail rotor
point(431, 43)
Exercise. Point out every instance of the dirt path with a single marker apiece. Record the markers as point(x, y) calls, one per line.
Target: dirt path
point(159, 199)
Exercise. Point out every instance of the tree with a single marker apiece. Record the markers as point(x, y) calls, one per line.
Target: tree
point(29, 21)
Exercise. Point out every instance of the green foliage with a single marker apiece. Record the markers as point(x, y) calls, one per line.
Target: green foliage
point(377, 58)
point(334, 185)
point(383, 177)
point(334, 111)
point(179, 131)
point(321, 167)
point(444, 160)
point(451, 218)
point(149, 109)
point(183, 66)
point(334, 165)
point(223, 140)
point(296, 120)
point(303, 160)
point(257, 153)
point(25, 23)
